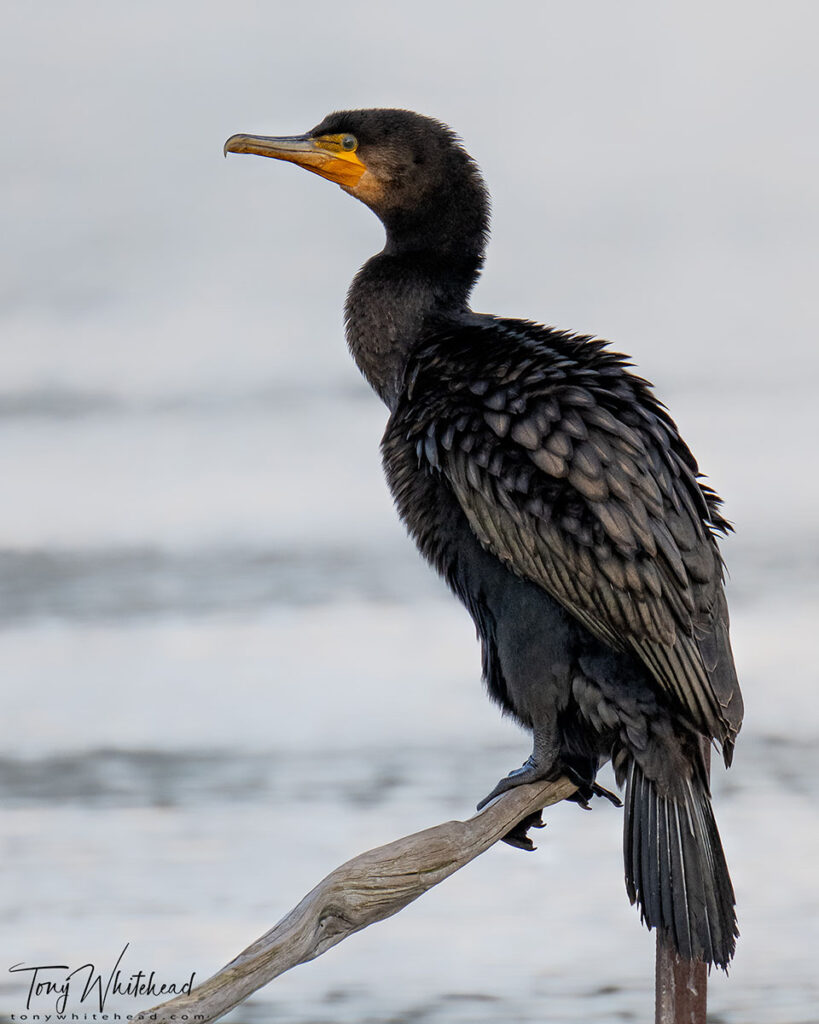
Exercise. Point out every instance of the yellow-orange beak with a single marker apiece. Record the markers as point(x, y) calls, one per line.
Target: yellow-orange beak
point(325, 155)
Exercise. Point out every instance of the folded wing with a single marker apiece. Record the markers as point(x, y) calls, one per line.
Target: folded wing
point(571, 473)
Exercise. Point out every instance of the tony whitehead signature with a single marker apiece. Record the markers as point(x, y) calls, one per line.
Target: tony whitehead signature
point(59, 981)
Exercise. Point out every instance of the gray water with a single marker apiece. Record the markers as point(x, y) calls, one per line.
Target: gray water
point(224, 669)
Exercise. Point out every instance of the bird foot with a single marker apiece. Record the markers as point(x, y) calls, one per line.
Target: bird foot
point(587, 789)
point(519, 835)
point(529, 771)
point(613, 798)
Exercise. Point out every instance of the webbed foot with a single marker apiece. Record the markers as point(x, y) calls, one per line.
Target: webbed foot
point(532, 771)
point(587, 788)
point(529, 771)
point(613, 798)
point(519, 835)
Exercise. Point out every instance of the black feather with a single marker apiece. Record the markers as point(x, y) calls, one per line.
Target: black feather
point(676, 870)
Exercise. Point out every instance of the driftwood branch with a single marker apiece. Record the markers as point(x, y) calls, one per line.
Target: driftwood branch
point(369, 888)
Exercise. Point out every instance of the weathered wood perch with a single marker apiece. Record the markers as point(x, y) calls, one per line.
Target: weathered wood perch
point(369, 888)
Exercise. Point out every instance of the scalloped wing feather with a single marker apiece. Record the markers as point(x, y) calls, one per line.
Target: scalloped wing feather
point(571, 473)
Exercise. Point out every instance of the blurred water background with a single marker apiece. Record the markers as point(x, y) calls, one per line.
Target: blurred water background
point(224, 669)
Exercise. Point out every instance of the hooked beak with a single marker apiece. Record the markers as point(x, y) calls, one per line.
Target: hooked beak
point(323, 155)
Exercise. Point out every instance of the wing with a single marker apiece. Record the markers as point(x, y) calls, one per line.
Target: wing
point(572, 473)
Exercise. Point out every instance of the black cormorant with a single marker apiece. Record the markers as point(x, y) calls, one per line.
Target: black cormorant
point(551, 489)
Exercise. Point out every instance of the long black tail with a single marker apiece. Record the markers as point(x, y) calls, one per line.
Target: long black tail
point(676, 870)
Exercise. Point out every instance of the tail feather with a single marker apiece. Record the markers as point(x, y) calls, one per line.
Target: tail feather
point(676, 870)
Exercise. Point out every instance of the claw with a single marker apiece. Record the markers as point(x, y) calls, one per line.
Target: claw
point(580, 800)
point(613, 798)
point(502, 787)
point(587, 788)
point(528, 772)
point(518, 836)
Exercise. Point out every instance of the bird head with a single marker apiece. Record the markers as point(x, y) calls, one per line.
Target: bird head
point(411, 170)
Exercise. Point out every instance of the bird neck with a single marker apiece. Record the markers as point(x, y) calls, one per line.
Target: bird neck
point(391, 300)
point(436, 236)
point(427, 269)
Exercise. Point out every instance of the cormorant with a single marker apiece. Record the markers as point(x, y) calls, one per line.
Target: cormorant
point(550, 488)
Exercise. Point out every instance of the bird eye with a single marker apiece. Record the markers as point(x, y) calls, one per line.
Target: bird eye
point(349, 142)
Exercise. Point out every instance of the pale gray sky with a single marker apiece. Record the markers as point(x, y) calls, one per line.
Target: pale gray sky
point(653, 168)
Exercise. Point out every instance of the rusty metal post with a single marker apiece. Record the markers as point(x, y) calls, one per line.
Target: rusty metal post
point(680, 986)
